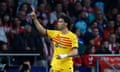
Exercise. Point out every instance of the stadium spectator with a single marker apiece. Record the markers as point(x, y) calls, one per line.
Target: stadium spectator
point(87, 7)
point(113, 47)
point(112, 13)
point(25, 10)
point(104, 48)
point(57, 12)
point(109, 29)
point(29, 38)
point(3, 37)
point(100, 19)
point(3, 8)
point(34, 3)
point(66, 7)
point(81, 44)
point(91, 26)
point(81, 22)
point(42, 13)
point(7, 23)
point(22, 16)
point(95, 37)
point(77, 8)
point(100, 5)
point(12, 7)
point(17, 26)
point(117, 22)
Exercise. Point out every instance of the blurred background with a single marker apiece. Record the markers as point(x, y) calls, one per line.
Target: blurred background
point(95, 22)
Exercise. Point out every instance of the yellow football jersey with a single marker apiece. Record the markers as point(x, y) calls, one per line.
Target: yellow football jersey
point(63, 44)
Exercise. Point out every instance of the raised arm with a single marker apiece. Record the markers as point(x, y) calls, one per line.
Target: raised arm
point(40, 28)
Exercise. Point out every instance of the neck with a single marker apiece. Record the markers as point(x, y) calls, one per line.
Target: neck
point(65, 31)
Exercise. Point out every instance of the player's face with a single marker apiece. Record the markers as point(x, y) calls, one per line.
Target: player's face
point(61, 24)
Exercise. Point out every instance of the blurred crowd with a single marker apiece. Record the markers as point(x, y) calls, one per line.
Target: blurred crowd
point(95, 22)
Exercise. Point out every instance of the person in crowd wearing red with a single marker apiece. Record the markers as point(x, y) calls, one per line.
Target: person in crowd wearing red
point(109, 29)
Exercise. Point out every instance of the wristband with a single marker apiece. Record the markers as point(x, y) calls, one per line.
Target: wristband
point(63, 56)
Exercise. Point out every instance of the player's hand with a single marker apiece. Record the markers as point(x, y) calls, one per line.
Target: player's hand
point(33, 15)
point(61, 56)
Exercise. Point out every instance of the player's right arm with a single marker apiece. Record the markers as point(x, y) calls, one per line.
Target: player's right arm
point(40, 28)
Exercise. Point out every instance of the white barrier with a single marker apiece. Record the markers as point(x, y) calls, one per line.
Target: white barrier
point(99, 55)
point(19, 54)
point(107, 60)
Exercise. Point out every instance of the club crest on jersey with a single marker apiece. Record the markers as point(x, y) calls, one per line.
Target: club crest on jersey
point(56, 45)
point(59, 46)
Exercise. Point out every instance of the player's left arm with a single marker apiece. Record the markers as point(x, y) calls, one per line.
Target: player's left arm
point(74, 50)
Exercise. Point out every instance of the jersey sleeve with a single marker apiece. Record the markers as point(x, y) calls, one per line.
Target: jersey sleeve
point(52, 33)
point(74, 41)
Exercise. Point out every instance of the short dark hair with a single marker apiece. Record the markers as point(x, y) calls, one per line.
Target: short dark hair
point(67, 19)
